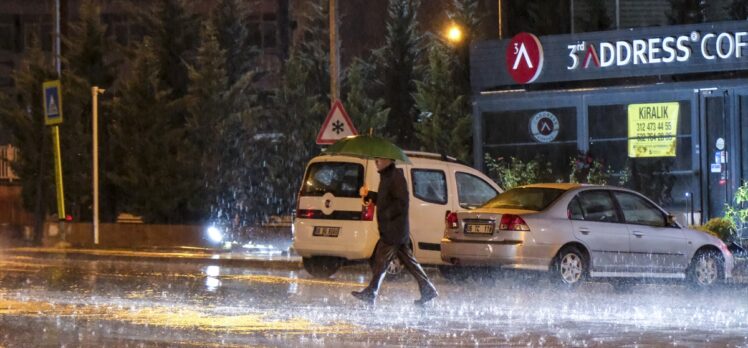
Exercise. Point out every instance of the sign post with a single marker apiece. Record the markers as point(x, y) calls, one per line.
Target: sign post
point(337, 125)
point(53, 117)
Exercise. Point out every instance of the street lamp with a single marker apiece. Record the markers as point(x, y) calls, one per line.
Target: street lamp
point(454, 33)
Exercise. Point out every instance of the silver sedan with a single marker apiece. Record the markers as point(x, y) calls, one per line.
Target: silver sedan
point(578, 231)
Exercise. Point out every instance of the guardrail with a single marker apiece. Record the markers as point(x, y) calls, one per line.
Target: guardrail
point(8, 154)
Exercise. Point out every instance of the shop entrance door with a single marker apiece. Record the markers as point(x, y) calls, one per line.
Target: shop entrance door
point(715, 154)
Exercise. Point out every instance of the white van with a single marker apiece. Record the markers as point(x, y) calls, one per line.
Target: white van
point(331, 226)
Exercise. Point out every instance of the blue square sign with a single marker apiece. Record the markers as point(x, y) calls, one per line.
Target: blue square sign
point(52, 103)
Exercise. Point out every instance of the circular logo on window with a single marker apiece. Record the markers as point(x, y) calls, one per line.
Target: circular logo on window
point(524, 58)
point(544, 126)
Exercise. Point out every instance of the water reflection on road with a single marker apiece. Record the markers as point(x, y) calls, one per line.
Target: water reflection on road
point(117, 303)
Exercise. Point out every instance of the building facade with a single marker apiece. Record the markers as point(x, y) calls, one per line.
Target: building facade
point(663, 110)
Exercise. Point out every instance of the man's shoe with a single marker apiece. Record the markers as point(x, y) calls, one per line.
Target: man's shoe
point(364, 296)
point(426, 298)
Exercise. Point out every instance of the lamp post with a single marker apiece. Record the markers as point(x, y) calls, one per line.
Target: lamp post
point(95, 91)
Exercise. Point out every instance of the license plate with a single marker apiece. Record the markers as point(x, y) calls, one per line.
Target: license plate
point(479, 228)
point(325, 231)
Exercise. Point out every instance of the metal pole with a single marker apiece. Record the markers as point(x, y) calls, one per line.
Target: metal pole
point(57, 38)
point(334, 60)
point(95, 141)
point(571, 10)
point(501, 29)
point(618, 14)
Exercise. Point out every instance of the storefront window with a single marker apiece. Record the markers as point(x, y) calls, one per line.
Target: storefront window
point(548, 136)
point(663, 179)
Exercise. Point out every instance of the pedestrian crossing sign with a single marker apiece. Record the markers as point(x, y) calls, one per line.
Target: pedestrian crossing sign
point(52, 103)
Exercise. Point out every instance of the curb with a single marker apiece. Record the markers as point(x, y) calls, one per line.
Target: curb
point(281, 262)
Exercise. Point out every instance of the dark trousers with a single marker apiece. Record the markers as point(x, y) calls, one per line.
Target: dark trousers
point(384, 254)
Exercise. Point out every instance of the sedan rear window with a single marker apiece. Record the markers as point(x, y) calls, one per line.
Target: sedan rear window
point(530, 198)
point(339, 178)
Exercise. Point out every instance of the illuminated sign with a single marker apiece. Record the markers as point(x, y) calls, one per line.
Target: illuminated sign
point(658, 50)
point(652, 129)
point(524, 58)
point(651, 51)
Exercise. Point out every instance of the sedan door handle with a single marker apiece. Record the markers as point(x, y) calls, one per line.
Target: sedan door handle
point(583, 230)
point(638, 234)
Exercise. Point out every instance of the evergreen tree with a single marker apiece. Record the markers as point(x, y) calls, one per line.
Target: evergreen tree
point(292, 142)
point(444, 124)
point(174, 33)
point(540, 17)
point(365, 112)
point(229, 20)
point(594, 19)
point(738, 9)
point(86, 64)
point(398, 68)
point(153, 173)
point(207, 109)
point(23, 115)
point(313, 49)
point(687, 11)
point(465, 15)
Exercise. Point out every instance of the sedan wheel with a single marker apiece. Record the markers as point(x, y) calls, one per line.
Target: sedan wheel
point(706, 269)
point(571, 267)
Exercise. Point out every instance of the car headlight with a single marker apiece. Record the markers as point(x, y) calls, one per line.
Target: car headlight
point(215, 234)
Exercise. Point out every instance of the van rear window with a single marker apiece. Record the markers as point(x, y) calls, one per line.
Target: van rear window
point(339, 178)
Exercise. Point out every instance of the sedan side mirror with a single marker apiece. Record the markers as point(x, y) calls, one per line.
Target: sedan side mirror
point(670, 221)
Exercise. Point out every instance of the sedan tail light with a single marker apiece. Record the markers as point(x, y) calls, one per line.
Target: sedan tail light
point(510, 222)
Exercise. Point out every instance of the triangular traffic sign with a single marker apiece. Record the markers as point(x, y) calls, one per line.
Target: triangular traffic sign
point(337, 125)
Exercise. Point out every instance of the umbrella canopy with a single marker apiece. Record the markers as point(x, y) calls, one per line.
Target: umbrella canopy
point(367, 146)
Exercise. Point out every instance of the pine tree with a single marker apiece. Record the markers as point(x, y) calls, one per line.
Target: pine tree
point(207, 109)
point(86, 64)
point(365, 112)
point(23, 115)
point(687, 11)
point(398, 67)
point(174, 33)
point(594, 19)
point(444, 123)
point(153, 164)
point(465, 14)
point(313, 49)
point(233, 37)
point(738, 9)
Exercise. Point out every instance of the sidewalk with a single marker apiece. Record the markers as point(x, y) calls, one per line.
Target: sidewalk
point(247, 255)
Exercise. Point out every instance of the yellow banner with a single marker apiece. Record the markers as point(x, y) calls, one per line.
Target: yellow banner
point(652, 129)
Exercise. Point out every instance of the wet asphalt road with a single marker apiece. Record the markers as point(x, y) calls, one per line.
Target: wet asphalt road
point(83, 303)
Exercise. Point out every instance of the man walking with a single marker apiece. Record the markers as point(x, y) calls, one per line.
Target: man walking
point(391, 201)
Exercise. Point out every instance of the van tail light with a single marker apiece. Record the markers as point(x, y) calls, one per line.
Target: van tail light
point(451, 220)
point(367, 212)
point(510, 222)
point(306, 213)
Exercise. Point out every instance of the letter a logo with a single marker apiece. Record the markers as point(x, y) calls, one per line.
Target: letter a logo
point(524, 58)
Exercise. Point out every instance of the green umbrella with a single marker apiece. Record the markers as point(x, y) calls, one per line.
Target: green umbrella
point(367, 146)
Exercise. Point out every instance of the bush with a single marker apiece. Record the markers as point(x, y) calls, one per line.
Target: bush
point(515, 172)
point(721, 228)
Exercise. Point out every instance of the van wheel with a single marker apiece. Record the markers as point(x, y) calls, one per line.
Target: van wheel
point(322, 266)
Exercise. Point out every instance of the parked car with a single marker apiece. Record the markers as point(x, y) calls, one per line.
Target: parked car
point(577, 231)
point(331, 226)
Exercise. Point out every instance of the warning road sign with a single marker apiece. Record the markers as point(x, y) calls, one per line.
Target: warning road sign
point(52, 103)
point(337, 125)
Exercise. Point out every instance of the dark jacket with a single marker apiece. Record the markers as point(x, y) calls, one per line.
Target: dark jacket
point(392, 206)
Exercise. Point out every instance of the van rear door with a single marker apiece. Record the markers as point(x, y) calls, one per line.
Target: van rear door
point(330, 191)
